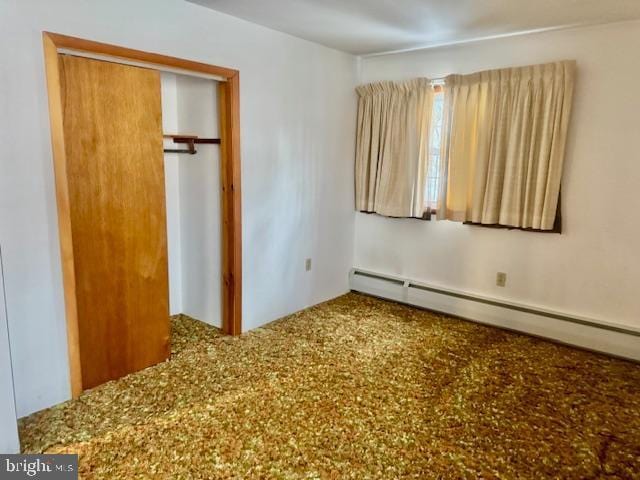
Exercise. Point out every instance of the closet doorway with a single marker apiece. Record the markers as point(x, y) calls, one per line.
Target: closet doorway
point(105, 113)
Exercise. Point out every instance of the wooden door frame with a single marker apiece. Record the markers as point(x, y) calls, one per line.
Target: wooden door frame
point(229, 121)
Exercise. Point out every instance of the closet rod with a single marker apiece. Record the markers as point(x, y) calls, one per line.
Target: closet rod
point(195, 140)
point(179, 150)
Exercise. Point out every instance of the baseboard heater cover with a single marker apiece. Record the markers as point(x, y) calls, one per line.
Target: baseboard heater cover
point(597, 335)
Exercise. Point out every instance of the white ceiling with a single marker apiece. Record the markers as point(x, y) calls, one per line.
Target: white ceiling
point(374, 26)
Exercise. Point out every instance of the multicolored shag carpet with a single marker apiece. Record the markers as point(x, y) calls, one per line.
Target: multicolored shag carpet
point(356, 388)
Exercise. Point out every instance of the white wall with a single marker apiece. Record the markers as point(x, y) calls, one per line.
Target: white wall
point(297, 129)
point(592, 268)
point(8, 425)
point(169, 89)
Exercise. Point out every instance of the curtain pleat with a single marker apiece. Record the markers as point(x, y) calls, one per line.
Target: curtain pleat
point(392, 147)
point(504, 138)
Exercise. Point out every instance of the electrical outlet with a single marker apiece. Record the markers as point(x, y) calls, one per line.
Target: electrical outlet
point(501, 279)
point(307, 264)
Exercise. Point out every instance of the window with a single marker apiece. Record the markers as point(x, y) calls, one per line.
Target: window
point(435, 138)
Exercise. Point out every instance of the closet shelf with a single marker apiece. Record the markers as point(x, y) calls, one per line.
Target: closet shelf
point(190, 140)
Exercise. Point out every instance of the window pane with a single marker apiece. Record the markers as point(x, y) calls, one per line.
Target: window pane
point(435, 138)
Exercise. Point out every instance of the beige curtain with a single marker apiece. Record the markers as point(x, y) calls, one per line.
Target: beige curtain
point(504, 136)
point(392, 147)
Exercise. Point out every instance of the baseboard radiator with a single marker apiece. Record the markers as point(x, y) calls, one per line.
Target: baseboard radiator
point(597, 335)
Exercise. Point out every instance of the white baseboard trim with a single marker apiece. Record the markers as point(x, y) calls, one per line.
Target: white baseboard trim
point(597, 335)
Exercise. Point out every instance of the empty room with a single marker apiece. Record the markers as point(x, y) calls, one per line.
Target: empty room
point(320, 239)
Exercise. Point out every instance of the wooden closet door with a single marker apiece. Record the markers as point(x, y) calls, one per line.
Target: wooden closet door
point(115, 173)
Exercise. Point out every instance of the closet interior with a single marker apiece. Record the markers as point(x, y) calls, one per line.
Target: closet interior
point(193, 197)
